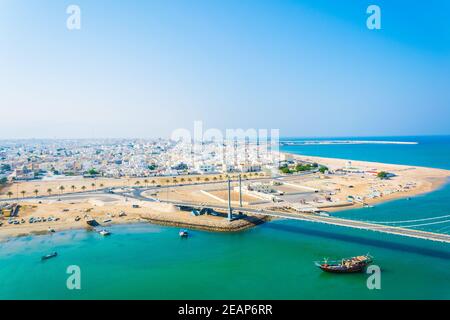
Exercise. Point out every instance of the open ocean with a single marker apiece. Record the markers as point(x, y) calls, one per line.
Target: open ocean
point(272, 261)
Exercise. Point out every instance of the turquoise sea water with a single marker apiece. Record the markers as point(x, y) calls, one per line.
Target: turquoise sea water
point(273, 261)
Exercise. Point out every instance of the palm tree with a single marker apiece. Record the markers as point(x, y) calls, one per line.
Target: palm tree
point(101, 185)
point(167, 181)
point(153, 182)
point(137, 183)
point(198, 178)
point(206, 179)
point(61, 189)
point(23, 193)
point(146, 182)
point(93, 185)
point(215, 178)
point(9, 194)
point(73, 188)
point(83, 188)
point(182, 179)
point(49, 191)
point(36, 191)
point(189, 179)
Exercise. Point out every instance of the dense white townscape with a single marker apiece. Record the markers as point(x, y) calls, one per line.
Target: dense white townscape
point(47, 159)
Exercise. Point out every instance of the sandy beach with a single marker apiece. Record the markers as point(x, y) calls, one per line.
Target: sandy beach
point(408, 181)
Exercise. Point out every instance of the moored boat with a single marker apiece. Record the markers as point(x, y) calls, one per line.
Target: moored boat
point(49, 256)
point(104, 232)
point(183, 233)
point(346, 265)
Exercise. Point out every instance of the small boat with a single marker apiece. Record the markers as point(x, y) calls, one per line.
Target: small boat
point(104, 232)
point(92, 223)
point(49, 256)
point(346, 265)
point(183, 234)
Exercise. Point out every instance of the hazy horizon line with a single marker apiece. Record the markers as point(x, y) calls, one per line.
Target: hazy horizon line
point(281, 137)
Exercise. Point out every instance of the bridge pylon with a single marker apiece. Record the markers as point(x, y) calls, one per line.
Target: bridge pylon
point(230, 210)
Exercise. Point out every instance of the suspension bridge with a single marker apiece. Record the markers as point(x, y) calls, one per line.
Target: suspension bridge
point(356, 224)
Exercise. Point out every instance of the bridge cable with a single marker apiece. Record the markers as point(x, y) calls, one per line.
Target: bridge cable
point(407, 221)
point(425, 224)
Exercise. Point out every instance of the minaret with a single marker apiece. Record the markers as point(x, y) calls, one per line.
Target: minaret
point(235, 153)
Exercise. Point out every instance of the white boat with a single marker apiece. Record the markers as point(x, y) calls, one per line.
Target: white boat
point(183, 233)
point(104, 232)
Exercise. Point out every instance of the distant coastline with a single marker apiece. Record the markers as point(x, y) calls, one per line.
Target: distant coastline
point(339, 142)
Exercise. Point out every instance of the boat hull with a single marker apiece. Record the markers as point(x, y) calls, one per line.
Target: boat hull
point(332, 269)
point(49, 256)
point(350, 265)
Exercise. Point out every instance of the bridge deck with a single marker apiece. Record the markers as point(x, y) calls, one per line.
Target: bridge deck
point(336, 221)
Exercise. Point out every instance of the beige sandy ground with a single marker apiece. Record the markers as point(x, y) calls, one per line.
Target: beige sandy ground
point(213, 194)
point(409, 181)
point(100, 210)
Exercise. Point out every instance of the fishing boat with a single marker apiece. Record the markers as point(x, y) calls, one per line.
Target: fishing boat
point(49, 256)
point(346, 265)
point(183, 233)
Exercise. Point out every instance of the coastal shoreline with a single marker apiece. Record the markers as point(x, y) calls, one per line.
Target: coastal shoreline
point(427, 180)
point(232, 228)
point(431, 179)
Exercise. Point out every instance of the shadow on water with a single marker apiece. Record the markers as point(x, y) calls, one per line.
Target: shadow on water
point(360, 240)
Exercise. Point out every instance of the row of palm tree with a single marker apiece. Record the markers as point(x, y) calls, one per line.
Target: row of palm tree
point(146, 182)
point(50, 190)
point(198, 179)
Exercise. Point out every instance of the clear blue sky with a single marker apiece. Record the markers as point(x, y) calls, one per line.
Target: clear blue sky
point(145, 68)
